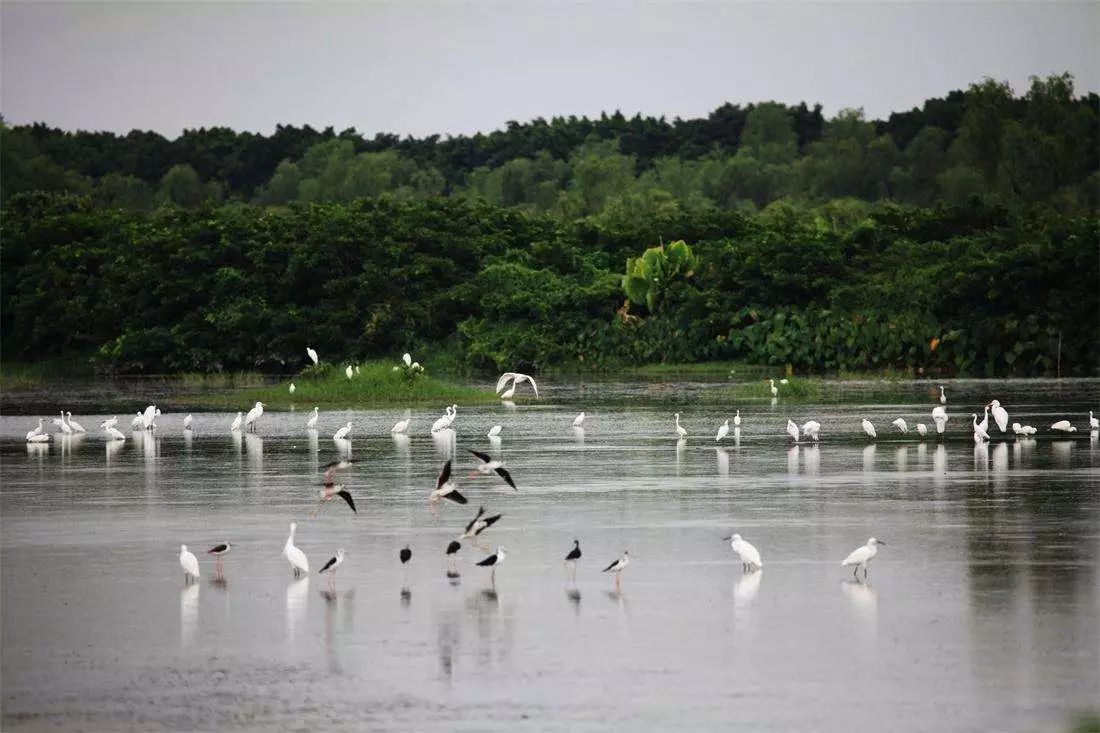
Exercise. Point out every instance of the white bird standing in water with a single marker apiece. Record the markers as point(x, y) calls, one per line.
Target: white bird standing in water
point(811, 429)
point(342, 433)
point(1000, 415)
point(253, 415)
point(900, 425)
point(737, 419)
point(297, 559)
point(135, 424)
point(492, 562)
point(922, 429)
point(187, 421)
point(679, 428)
point(750, 556)
point(980, 433)
point(292, 388)
point(189, 563)
point(939, 416)
point(1063, 426)
point(443, 422)
point(618, 567)
point(312, 354)
point(65, 426)
point(237, 422)
point(494, 432)
point(868, 428)
point(984, 422)
point(723, 431)
point(775, 390)
point(1094, 423)
point(311, 423)
point(861, 557)
point(115, 434)
point(149, 417)
point(77, 427)
point(400, 426)
point(578, 421)
point(38, 430)
point(943, 396)
point(792, 430)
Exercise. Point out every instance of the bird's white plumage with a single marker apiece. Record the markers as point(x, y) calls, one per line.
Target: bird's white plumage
point(792, 430)
point(723, 431)
point(187, 421)
point(680, 431)
point(922, 429)
point(1094, 423)
point(349, 372)
point(737, 419)
point(292, 388)
point(811, 429)
point(775, 390)
point(1000, 415)
point(901, 425)
point(494, 431)
point(939, 416)
point(293, 555)
point(979, 431)
point(77, 427)
point(578, 421)
point(746, 551)
point(868, 428)
point(401, 425)
point(862, 555)
point(943, 396)
point(236, 425)
point(342, 433)
point(189, 562)
point(254, 414)
point(149, 416)
point(115, 434)
point(311, 423)
point(312, 354)
point(1063, 426)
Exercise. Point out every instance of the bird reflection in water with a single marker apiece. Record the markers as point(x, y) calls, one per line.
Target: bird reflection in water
point(406, 597)
point(573, 595)
point(864, 601)
point(297, 600)
point(578, 435)
point(792, 461)
point(723, 462)
point(189, 614)
point(869, 458)
point(746, 587)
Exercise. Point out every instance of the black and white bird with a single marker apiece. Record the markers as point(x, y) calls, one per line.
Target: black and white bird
point(572, 557)
point(333, 564)
point(493, 561)
point(489, 465)
point(405, 555)
point(445, 488)
point(219, 551)
point(452, 547)
point(330, 489)
point(618, 566)
point(479, 524)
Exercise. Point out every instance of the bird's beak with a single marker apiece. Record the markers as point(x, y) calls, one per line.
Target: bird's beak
point(727, 539)
point(879, 542)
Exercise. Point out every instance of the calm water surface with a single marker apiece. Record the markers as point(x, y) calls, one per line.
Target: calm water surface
point(981, 613)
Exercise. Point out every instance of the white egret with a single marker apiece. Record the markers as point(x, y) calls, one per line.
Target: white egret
point(723, 431)
point(792, 430)
point(407, 358)
point(578, 421)
point(312, 354)
point(292, 388)
point(401, 425)
point(1063, 426)
point(40, 438)
point(1000, 415)
point(943, 396)
point(861, 557)
point(77, 427)
point(810, 429)
point(939, 416)
point(737, 419)
point(775, 390)
point(65, 426)
point(868, 428)
point(1018, 429)
point(297, 559)
point(984, 422)
point(979, 431)
point(1029, 430)
point(901, 425)
point(135, 424)
point(784, 380)
point(253, 415)
point(680, 431)
point(187, 421)
point(237, 422)
point(109, 423)
point(349, 372)
point(115, 434)
point(147, 417)
point(311, 423)
point(189, 563)
point(452, 415)
point(516, 379)
point(750, 556)
point(494, 432)
point(1094, 423)
point(922, 429)
point(342, 433)
point(35, 431)
point(442, 422)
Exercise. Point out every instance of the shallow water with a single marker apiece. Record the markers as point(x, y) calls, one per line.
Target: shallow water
point(981, 613)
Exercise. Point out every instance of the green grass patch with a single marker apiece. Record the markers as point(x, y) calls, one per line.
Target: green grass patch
point(797, 389)
point(16, 376)
point(376, 385)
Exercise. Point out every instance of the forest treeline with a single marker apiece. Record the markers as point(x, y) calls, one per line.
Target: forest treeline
point(1038, 146)
point(960, 238)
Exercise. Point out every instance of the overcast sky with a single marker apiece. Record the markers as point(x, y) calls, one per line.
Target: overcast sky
point(454, 67)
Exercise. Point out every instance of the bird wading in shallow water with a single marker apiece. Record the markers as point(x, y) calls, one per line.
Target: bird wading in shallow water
point(861, 557)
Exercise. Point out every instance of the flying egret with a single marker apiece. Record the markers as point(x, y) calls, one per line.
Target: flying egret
point(1000, 415)
point(723, 431)
point(861, 556)
point(750, 556)
point(737, 419)
point(1094, 423)
point(578, 421)
point(187, 421)
point(401, 425)
point(810, 429)
point(342, 433)
point(900, 425)
point(311, 423)
point(516, 379)
point(679, 429)
point(775, 390)
point(868, 428)
point(487, 464)
point(312, 354)
point(189, 563)
point(492, 562)
point(292, 388)
point(922, 429)
point(979, 431)
point(297, 559)
point(115, 434)
point(939, 416)
point(1063, 426)
point(943, 396)
point(349, 372)
point(252, 416)
point(618, 567)
point(792, 430)
point(494, 432)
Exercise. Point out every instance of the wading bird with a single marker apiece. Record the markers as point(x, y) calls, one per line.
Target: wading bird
point(618, 567)
point(680, 431)
point(1000, 415)
point(775, 390)
point(723, 431)
point(332, 565)
point(236, 422)
point(292, 388)
point(443, 422)
point(135, 424)
point(219, 551)
point(445, 488)
point(494, 432)
point(312, 354)
point(861, 556)
point(77, 427)
point(252, 416)
point(1063, 426)
point(792, 430)
point(452, 547)
point(115, 434)
point(939, 416)
point(297, 559)
point(516, 379)
point(737, 419)
point(901, 425)
point(187, 421)
point(943, 396)
point(343, 433)
point(311, 423)
point(35, 431)
point(922, 429)
point(189, 563)
point(1094, 423)
point(489, 465)
point(400, 426)
point(109, 423)
point(578, 421)
point(572, 557)
point(349, 372)
point(479, 524)
point(493, 561)
point(980, 433)
point(811, 429)
point(750, 556)
point(868, 428)
point(148, 418)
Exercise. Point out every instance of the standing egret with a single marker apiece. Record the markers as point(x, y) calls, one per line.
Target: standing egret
point(494, 432)
point(252, 416)
point(939, 416)
point(979, 431)
point(297, 559)
point(868, 428)
point(578, 421)
point(679, 429)
point(236, 422)
point(357, 370)
point(900, 425)
point(109, 423)
point(984, 422)
point(312, 354)
point(723, 431)
point(115, 434)
point(750, 556)
point(311, 423)
point(149, 416)
point(189, 563)
point(810, 429)
point(443, 422)
point(943, 396)
point(187, 421)
point(737, 419)
point(349, 372)
point(792, 430)
point(1063, 426)
point(922, 429)
point(861, 556)
point(38, 430)
point(342, 433)
point(400, 426)
point(618, 567)
point(451, 416)
point(292, 388)
point(1094, 423)
point(1000, 415)
point(135, 424)
point(65, 426)
point(775, 390)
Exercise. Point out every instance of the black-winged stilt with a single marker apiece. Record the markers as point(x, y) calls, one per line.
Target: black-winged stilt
point(492, 562)
point(489, 465)
point(445, 488)
point(618, 566)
